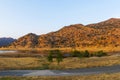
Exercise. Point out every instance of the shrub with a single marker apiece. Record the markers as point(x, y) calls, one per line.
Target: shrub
point(76, 53)
point(86, 53)
point(50, 57)
point(55, 54)
point(59, 58)
point(100, 54)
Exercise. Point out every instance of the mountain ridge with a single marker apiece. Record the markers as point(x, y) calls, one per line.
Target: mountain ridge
point(5, 41)
point(105, 33)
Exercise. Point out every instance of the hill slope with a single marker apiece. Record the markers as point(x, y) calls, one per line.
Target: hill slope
point(106, 33)
point(30, 40)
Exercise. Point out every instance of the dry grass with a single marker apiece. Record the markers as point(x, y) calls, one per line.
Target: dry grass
point(68, 63)
point(71, 63)
point(106, 49)
point(18, 55)
point(115, 76)
point(20, 63)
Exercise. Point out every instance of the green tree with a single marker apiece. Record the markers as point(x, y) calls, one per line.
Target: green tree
point(59, 57)
point(86, 53)
point(50, 57)
point(100, 53)
point(55, 54)
point(76, 53)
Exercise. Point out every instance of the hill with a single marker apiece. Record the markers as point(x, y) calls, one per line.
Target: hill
point(6, 41)
point(30, 40)
point(102, 34)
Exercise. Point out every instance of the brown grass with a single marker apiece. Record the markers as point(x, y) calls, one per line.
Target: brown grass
point(68, 63)
point(18, 63)
point(115, 76)
point(106, 49)
point(71, 63)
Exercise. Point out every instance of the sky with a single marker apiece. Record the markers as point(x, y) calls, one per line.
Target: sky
point(20, 17)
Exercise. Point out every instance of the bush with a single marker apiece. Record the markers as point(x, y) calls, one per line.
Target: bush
point(59, 57)
point(86, 53)
point(50, 57)
point(55, 54)
point(100, 54)
point(76, 53)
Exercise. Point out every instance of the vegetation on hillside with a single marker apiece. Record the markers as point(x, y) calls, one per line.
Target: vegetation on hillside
point(103, 34)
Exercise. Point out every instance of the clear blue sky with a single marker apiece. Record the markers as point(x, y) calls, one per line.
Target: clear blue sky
point(19, 17)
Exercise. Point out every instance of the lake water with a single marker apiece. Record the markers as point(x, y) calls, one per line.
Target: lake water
point(6, 51)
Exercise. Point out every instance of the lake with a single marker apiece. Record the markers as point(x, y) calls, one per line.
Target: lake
point(6, 51)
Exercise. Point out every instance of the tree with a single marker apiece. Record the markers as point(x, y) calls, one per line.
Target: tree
point(59, 57)
point(55, 54)
point(50, 57)
point(100, 53)
point(76, 53)
point(86, 53)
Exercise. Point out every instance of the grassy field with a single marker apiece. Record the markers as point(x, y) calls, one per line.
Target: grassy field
point(25, 61)
point(115, 76)
point(68, 63)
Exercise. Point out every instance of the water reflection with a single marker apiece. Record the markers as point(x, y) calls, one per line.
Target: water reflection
point(6, 51)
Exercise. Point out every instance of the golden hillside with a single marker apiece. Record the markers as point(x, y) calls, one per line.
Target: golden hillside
point(103, 34)
point(29, 40)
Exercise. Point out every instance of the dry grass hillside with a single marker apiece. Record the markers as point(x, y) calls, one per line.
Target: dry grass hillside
point(103, 34)
point(29, 40)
